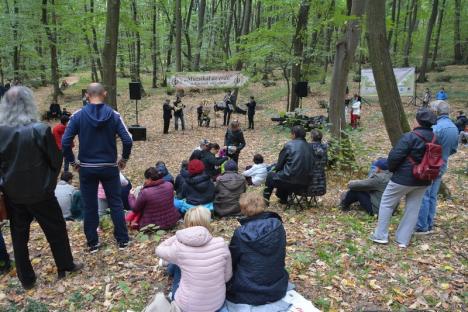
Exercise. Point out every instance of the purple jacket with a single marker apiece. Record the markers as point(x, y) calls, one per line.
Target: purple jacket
point(156, 205)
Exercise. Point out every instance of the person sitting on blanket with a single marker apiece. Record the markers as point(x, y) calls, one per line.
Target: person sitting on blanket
point(228, 188)
point(257, 173)
point(258, 250)
point(197, 190)
point(154, 204)
point(199, 263)
point(368, 192)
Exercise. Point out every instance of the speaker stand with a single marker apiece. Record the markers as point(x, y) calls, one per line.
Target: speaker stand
point(136, 112)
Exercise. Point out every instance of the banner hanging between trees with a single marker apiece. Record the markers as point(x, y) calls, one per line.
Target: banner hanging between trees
point(405, 78)
point(208, 80)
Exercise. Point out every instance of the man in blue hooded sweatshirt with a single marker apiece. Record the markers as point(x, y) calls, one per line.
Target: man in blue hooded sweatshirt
point(97, 125)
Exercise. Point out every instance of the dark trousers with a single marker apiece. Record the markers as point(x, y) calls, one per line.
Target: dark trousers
point(4, 257)
point(89, 181)
point(227, 117)
point(251, 121)
point(358, 196)
point(283, 188)
point(235, 157)
point(124, 194)
point(176, 274)
point(176, 121)
point(49, 216)
point(66, 165)
point(166, 125)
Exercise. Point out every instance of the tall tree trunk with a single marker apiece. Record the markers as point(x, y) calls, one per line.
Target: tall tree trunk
point(51, 31)
point(16, 45)
point(258, 19)
point(397, 28)
point(94, 75)
point(245, 25)
point(95, 42)
point(328, 37)
point(345, 50)
point(227, 33)
point(457, 44)
point(298, 50)
point(187, 35)
point(385, 82)
point(427, 43)
point(178, 32)
point(440, 18)
point(137, 76)
point(201, 23)
point(390, 33)
point(411, 27)
point(42, 66)
point(109, 53)
point(154, 46)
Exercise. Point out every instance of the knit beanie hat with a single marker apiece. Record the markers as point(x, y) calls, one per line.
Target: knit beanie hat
point(382, 163)
point(426, 118)
point(195, 167)
point(230, 165)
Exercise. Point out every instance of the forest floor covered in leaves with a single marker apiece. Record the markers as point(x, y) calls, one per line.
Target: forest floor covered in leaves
point(329, 256)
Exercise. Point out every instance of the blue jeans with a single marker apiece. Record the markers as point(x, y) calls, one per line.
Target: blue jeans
point(89, 180)
point(4, 257)
point(428, 207)
point(176, 274)
point(358, 196)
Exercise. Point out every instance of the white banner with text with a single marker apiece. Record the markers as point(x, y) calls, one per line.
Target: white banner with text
point(404, 78)
point(208, 80)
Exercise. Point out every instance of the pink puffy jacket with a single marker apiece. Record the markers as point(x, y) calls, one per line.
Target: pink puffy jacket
point(205, 262)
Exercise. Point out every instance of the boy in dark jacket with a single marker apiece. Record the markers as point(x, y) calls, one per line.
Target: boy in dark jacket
point(180, 179)
point(211, 162)
point(228, 190)
point(368, 192)
point(258, 251)
point(404, 183)
point(234, 140)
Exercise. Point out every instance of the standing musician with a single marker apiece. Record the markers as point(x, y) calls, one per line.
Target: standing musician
point(179, 113)
point(228, 108)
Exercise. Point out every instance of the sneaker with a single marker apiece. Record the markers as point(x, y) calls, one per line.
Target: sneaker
point(123, 246)
point(420, 232)
point(379, 241)
point(94, 249)
point(401, 245)
point(77, 266)
point(28, 286)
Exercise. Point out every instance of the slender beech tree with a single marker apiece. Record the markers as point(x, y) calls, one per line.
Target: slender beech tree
point(412, 19)
point(457, 44)
point(385, 82)
point(427, 42)
point(440, 18)
point(201, 24)
point(178, 35)
point(109, 53)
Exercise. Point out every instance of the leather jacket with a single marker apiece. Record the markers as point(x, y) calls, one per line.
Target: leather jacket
point(295, 162)
point(30, 163)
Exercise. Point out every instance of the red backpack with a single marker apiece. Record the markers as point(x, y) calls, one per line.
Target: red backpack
point(429, 167)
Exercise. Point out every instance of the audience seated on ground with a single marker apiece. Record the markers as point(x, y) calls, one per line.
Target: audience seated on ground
point(180, 179)
point(68, 198)
point(318, 182)
point(258, 251)
point(211, 162)
point(155, 203)
point(228, 189)
point(463, 139)
point(161, 166)
point(368, 192)
point(461, 121)
point(102, 199)
point(257, 173)
point(197, 190)
point(55, 111)
point(200, 264)
point(65, 112)
point(292, 171)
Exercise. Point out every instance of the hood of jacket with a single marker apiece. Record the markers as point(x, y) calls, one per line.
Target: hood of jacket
point(262, 232)
point(98, 114)
point(201, 183)
point(232, 181)
point(319, 150)
point(163, 170)
point(194, 236)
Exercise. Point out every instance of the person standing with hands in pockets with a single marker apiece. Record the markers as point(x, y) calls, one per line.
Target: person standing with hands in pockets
point(97, 125)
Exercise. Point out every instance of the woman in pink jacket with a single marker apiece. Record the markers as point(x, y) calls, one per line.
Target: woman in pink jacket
point(204, 261)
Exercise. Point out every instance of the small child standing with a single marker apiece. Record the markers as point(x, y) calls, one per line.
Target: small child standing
point(200, 263)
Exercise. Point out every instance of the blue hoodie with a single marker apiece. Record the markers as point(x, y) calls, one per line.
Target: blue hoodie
point(96, 126)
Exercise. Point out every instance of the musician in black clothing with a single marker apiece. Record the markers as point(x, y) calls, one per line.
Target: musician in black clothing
point(228, 108)
point(179, 113)
point(251, 106)
point(167, 115)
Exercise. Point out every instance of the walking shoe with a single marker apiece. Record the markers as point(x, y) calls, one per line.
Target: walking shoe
point(421, 232)
point(77, 266)
point(28, 286)
point(94, 249)
point(401, 245)
point(123, 246)
point(379, 241)
point(5, 268)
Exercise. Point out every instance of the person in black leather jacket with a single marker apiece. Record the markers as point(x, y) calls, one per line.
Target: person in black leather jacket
point(30, 163)
point(293, 169)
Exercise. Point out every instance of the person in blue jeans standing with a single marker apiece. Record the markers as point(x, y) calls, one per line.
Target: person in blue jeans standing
point(4, 257)
point(97, 126)
point(447, 134)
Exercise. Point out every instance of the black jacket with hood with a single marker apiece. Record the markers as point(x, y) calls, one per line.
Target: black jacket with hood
point(198, 189)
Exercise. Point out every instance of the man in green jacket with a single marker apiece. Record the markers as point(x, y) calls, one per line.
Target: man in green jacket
point(368, 192)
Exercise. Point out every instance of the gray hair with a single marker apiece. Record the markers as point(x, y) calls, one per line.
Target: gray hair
point(18, 107)
point(440, 107)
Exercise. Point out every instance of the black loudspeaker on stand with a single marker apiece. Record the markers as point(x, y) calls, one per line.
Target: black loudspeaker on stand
point(301, 88)
point(138, 132)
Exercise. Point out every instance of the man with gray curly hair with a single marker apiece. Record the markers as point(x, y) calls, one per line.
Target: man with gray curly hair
point(447, 135)
point(29, 165)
